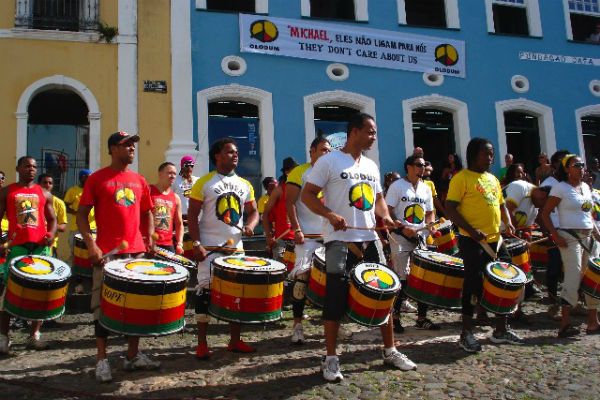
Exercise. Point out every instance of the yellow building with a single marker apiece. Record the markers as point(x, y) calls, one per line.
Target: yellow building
point(75, 71)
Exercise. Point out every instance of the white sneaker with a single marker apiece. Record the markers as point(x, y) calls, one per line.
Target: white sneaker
point(298, 334)
point(406, 307)
point(4, 344)
point(103, 371)
point(140, 361)
point(331, 369)
point(344, 332)
point(399, 360)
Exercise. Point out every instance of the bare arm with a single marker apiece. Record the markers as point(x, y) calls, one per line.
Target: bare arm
point(194, 208)
point(309, 196)
point(50, 219)
point(251, 210)
point(266, 222)
point(83, 225)
point(291, 197)
point(178, 224)
point(149, 218)
point(453, 214)
point(511, 207)
point(506, 218)
point(550, 205)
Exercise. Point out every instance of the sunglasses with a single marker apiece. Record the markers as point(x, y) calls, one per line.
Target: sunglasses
point(420, 165)
point(578, 165)
point(1, 178)
point(188, 165)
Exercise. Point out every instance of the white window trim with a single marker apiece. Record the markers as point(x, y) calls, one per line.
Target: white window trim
point(580, 113)
point(60, 82)
point(260, 6)
point(451, 8)
point(567, 13)
point(266, 130)
point(532, 9)
point(460, 117)
point(361, 9)
point(545, 123)
point(357, 101)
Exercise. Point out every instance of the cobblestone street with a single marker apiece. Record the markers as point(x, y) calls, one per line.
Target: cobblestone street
point(544, 368)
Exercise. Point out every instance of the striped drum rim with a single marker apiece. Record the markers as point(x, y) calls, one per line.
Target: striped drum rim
point(37, 288)
point(435, 279)
point(315, 292)
point(503, 284)
point(82, 266)
point(519, 253)
point(373, 289)
point(143, 297)
point(246, 289)
point(590, 283)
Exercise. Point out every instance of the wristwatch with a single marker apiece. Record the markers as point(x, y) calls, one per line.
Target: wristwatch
point(196, 243)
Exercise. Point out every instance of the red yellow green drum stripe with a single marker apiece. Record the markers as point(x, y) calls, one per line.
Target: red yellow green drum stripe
point(432, 293)
point(81, 264)
point(500, 300)
point(246, 305)
point(316, 286)
point(590, 282)
point(141, 330)
point(367, 310)
point(248, 318)
point(34, 304)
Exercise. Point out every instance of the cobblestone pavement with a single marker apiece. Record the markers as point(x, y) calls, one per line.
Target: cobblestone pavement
point(544, 368)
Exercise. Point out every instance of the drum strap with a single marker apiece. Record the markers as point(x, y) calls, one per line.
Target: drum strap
point(576, 236)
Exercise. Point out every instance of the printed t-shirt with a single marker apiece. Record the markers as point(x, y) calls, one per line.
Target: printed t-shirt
point(551, 181)
point(410, 204)
point(60, 209)
point(519, 194)
point(26, 214)
point(182, 188)
point(164, 209)
point(119, 197)
point(223, 199)
point(310, 223)
point(350, 188)
point(71, 199)
point(479, 197)
point(574, 209)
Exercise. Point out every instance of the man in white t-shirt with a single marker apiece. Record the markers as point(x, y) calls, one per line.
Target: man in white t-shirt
point(183, 184)
point(351, 186)
point(410, 201)
point(223, 198)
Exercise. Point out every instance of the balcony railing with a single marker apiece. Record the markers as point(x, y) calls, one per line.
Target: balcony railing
point(63, 15)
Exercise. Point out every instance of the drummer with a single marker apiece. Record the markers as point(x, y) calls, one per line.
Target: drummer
point(475, 203)
point(167, 210)
point(306, 226)
point(410, 201)
point(223, 198)
point(344, 175)
point(121, 198)
point(31, 230)
point(184, 182)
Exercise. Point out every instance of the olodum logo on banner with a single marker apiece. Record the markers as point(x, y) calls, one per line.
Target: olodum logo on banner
point(447, 55)
point(264, 31)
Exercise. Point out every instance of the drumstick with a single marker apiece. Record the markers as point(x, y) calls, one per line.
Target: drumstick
point(122, 246)
point(375, 228)
point(488, 249)
point(227, 243)
point(539, 240)
point(431, 224)
point(355, 250)
point(7, 244)
point(282, 235)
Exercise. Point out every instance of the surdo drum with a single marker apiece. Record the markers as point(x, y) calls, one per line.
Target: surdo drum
point(435, 279)
point(503, 284)
point(373, 288)
point(590, 283)
point(318, 277)
point(445, 240)
point(246, 289)
point(82, 265)
point(37, 287)
point(519, 254)
point(143, 297)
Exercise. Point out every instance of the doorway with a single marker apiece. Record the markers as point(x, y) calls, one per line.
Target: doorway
point(522, 139)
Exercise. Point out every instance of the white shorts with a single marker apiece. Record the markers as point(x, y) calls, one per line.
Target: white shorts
point(400, 250)
point(304, 255)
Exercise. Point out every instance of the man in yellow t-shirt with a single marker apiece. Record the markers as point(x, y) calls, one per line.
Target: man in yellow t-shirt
point(72, 202)
point(269, 183)
point(475, 203)
point(46, 181)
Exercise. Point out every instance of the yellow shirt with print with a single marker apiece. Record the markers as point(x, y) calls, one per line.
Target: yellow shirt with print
point(431, 186)
point(60, 209)
point(72, 198)
point(479, 197)
point(262, 202)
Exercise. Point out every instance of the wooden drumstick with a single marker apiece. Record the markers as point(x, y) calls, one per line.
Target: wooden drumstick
point(8, 243)
point(355, 250)
point(282, 235)
point(539, 240)
point(431, 224)
point(375, 228)
point(122, 246)
point(227, 243)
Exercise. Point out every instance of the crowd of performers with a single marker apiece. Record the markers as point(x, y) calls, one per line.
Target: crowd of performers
point(339, 224)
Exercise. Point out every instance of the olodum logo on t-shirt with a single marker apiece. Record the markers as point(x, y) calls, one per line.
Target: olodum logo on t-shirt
point(414, 214)
point(229, 208)
point(125, 197)
point(520, 218)
point(586, 206)
point(361, 196)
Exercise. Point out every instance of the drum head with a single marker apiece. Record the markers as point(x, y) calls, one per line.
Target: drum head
point(320, 254)
point(40, 268)
point(505, 272)
point(439, 258)
point(146, 270)
point(249, 264)
point(594, 262)
point(376, 276)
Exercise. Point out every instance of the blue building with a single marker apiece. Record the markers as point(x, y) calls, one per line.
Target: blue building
point(531, 78)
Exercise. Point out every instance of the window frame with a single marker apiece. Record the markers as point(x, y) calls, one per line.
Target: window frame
point(452, 15)
point(260, 7)
point(532, 10)
point(567, 13)
point(361, 10)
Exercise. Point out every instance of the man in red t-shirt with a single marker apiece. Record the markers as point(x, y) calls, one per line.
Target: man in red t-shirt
point(121, 198)
point(31, 230)
point(167, 210)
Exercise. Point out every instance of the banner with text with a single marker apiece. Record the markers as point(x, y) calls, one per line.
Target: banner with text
point(351, 44)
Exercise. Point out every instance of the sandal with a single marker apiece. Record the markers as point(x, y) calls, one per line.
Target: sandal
point(427, 324)
point(568, 331)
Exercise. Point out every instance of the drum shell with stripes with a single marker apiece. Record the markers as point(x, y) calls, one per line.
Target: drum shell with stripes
point(82, 265)
point(188, 247)
point(446, 241)
point(38, 296)
point(590, 281)
point(315, 292)
point(289, 255)
point(143, 297)
point(373, 289)
point(519, 254)
point(246, 289)
point(435, 279)
point(503, 285)
point(538, 252)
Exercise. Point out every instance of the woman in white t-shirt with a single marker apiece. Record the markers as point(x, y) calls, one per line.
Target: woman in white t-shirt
point(572, 198)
